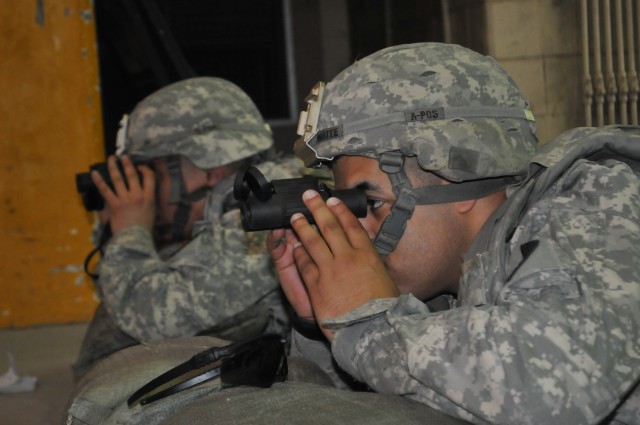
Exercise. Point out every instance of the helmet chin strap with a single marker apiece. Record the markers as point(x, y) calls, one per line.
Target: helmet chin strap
point(181, 198)
point(394, 224)
point(407, 197)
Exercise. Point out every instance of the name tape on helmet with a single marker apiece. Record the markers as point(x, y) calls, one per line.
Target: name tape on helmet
point(424, 114)
point(329, 133)
point(420, 115)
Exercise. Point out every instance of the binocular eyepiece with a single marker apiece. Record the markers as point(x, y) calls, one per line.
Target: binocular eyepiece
point(269, 205)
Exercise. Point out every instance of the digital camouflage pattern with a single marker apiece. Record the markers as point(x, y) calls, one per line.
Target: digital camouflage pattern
point(209, 120)
point(221, 282)
point(457, 111)
point(203, 286)
point(547, 326)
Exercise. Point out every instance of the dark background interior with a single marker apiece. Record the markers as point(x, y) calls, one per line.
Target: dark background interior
point(147, 44)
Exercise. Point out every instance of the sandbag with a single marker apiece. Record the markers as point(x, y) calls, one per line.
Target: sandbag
point(307, 397)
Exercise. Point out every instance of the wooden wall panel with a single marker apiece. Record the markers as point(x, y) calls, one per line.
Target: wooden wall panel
point(50, 129)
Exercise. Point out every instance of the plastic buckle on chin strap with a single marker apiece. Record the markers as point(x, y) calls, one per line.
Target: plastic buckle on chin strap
point(391, 162)
point(393, 227)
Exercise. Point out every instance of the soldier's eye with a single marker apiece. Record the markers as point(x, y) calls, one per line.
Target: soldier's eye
point(374, 203)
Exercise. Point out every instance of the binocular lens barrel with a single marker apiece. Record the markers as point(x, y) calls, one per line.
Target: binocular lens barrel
point(276, 212)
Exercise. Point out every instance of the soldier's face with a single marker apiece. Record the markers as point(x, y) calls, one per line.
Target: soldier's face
point(427, 260)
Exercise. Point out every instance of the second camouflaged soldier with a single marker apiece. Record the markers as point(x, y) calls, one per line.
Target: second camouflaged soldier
point(179, 263)
point(541, 247)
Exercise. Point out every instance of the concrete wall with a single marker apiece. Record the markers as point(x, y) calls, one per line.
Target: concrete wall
point(538, 43)
point(50, 128)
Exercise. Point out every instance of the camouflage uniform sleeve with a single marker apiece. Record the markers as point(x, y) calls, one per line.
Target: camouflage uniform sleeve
point(557, 343)
point(319, 352)
point(218, 274)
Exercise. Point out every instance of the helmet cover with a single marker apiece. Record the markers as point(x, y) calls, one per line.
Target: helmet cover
point(208, 120)
point(457, 111)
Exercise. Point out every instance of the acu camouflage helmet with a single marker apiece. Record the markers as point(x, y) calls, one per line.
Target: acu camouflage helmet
point(457, 111)
point(209, 120)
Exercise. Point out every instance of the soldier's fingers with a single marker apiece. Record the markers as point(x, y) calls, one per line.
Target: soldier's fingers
point(101, 185)
point(130, 174)
point(330, 228)
point(276, 244)
point(117, 180)
point(311, 240)
point(307, 268)
point(351, 226)
point(274, 239)
point(148, 181)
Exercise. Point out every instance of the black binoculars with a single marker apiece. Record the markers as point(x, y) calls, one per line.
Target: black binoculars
point(91, 198)
point(269, 205)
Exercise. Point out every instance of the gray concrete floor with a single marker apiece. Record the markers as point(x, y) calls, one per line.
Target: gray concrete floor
point(47, 353)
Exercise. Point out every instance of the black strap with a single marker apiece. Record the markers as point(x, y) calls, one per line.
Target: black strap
point(174, 169)
point(180, 219)
point(407, 197)
point(455, 192)
point(183, 210)
point(196, 195)
point(307, 328)
point(105, 235)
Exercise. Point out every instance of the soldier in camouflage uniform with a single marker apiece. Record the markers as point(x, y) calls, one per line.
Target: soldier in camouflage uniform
point(538, 247)
point(179, 263)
